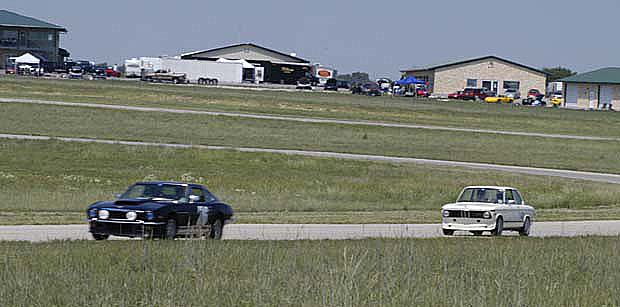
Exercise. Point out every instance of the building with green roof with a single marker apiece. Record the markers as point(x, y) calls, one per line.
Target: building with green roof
point(491, 72)
point(21, 34)
point(599, 89)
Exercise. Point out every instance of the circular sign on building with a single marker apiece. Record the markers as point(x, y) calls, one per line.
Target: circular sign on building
point(324, 73)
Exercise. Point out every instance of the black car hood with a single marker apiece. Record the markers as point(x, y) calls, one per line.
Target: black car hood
point(132, 204)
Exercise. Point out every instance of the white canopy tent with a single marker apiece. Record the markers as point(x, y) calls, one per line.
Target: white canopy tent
point(27, 58)
point(26, 62)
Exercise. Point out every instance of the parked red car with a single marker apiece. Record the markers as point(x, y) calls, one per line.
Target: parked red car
point(422, 92)
point(476, 94)
point(533, 93)
point(109, 72)
point(457, 95)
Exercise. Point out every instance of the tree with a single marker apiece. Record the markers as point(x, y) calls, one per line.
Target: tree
point(557, 73)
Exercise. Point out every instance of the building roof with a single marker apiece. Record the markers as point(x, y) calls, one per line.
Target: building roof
point(217, 51)
point(609, 75)
point(470, 60)
point(10, 19)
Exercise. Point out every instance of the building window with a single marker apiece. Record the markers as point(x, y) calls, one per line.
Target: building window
point(422, 78)
point(8, 38)
point(472, 82)
point(40, 41)
point(512, 85)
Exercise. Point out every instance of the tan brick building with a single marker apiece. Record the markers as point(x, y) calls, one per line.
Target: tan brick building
point(599, 89)
point(491, 72)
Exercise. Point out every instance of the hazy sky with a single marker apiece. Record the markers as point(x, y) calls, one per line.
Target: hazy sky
point(380, 37)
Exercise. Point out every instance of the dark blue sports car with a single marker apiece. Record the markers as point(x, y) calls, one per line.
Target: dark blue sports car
point(160, 210)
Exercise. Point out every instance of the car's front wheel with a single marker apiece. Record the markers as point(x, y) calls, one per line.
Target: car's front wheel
point(448, 232)
point(100, 237)
point(171, 230)
point(525, 230)
point(216, 230)
point(499, 227)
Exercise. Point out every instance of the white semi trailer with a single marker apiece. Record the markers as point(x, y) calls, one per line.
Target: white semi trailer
point(196, 70)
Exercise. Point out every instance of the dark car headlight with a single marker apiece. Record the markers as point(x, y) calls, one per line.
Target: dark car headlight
point(150, 216)
point(445, 213)
point(487, 215)
point(92, 213)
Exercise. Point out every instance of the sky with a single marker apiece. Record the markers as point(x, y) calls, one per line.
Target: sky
point(379, 37)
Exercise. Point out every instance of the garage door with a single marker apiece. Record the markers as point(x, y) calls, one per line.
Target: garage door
point(607, 94)
point(572, 94)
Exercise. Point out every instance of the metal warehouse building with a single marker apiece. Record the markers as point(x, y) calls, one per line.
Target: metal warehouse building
point(491, 72)
point(279, 67)
point(593, 90)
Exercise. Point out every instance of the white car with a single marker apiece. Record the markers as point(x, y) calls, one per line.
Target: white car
point(512, 93)
point(488, 208)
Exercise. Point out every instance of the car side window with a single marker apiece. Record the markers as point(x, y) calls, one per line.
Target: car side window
point(518, 198)
point(208, 196)
point(509, 196)
point(198, 192)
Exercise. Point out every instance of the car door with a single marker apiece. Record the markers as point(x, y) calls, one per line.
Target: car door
point(198, 203)
point(212, 206)
point(512, 216)
point(523, 210)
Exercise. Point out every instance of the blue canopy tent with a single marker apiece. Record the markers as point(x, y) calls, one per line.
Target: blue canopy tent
point(409, 80)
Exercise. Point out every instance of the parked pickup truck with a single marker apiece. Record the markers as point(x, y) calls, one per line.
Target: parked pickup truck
point(160, 76)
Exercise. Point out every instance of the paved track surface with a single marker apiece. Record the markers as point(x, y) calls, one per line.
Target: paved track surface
point(304, 119)
point(590, 176)
point(42, 233)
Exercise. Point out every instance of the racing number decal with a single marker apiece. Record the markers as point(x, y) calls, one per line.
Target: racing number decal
point(203, 215)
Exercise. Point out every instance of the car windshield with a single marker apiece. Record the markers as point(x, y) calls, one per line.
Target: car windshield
point(156, 191)
point(481, 195)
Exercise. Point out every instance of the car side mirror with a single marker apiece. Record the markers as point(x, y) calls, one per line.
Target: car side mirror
point(194, 198)
point(511, 202)
point(117, 195)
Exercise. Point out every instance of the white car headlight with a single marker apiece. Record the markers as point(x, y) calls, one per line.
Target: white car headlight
point(131, 215)
point(446, 213)
point(104, 214)
point(487, 215)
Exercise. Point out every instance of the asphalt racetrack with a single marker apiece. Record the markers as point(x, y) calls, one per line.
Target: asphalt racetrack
point(42, 233)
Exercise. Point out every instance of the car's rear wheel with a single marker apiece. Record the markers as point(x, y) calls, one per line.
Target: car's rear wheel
point(171, 229)
point(448, 232)
point(100, 237)
point(499, 227)
point(525, 230)
point(216, 230)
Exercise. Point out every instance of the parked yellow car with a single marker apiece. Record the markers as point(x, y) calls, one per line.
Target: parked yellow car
point(556, 100)
point(499, 99)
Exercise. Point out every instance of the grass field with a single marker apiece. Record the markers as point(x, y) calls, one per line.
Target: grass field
point(584, 155)
point(51, 182)
point(344, 106)
point(431, 272)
